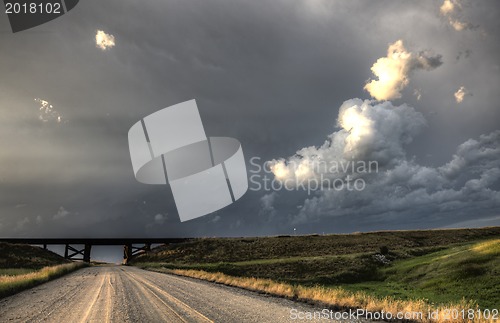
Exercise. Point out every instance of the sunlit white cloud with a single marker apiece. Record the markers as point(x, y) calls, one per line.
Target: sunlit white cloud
point(458, 25)
point(451, 10)
point(467, 184)
point(104, 40)
point(393, 71)
point(47, 112)
point(461, 93)
point(367, 132)
point(447, 7)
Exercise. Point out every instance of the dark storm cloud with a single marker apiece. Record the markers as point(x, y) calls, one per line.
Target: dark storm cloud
point(270, 73)
point(397, 190)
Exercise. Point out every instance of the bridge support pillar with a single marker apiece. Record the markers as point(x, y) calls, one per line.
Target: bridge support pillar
point(86, 253)
point(129, 250)
point(127, 253)
point(71, 252)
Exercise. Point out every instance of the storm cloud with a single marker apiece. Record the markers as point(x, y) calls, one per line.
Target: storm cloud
point(272, 74)
point(467, 184)
point(368, 132)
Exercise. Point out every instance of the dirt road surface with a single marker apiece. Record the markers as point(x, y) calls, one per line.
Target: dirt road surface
point(128, 294)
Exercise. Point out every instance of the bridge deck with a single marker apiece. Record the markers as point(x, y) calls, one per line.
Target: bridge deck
point(94, 241)
point(73, 253)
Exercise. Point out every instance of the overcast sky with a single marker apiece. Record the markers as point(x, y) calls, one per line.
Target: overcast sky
point(412, 85)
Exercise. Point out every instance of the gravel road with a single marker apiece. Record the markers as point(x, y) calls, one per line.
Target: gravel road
point(128, 294)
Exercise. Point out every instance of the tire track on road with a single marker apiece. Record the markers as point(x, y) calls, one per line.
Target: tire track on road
point(94, 300)
point(62, 299)
point(155, 299)
point(187, 309)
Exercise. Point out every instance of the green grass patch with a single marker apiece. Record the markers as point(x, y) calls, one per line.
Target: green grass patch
point(437, 266)
point(27, 257)
point(336, 298)
point(404, 243)
point(295, 270)
point(15, 271)
point(24, 266)
point(11, 284)
point(469, 271)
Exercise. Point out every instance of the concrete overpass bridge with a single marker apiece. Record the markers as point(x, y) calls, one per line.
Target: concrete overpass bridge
point(80, 248)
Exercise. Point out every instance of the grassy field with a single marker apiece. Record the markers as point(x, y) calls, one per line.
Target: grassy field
point(403, 243)
point(438, 268)
point(26, 256)
point(470, 271)
point(25, 266)
point(15, 271)
point(338, 298)
point(11, 284)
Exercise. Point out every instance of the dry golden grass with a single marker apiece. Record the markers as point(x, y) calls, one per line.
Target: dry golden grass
point(338, 297)
point(11, 284)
